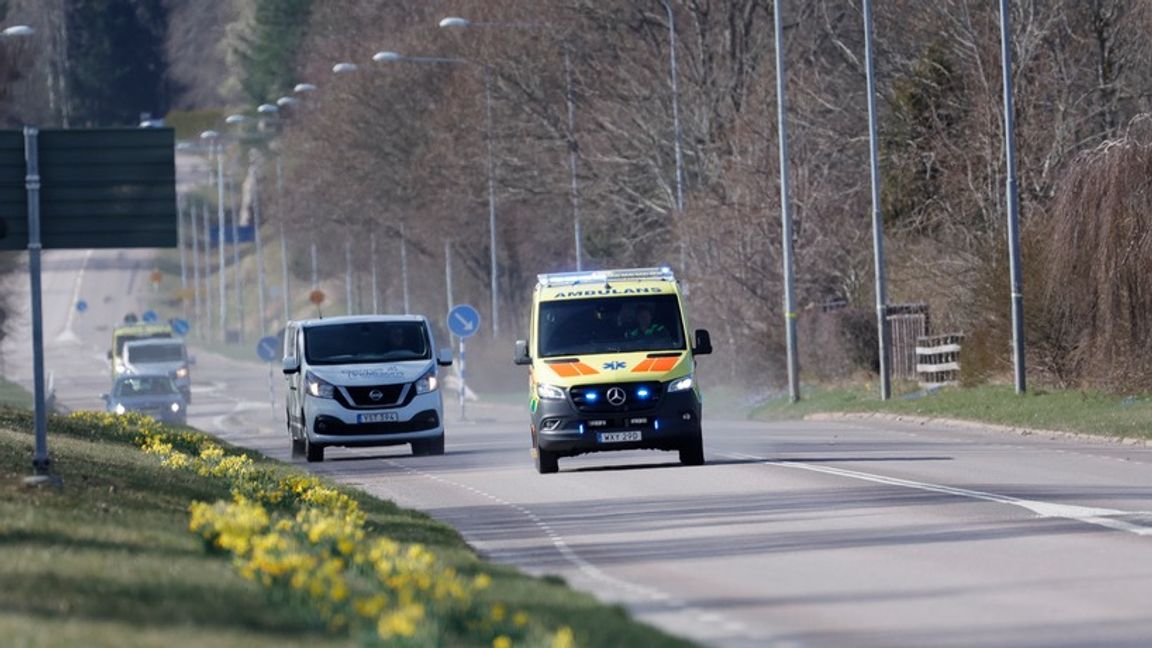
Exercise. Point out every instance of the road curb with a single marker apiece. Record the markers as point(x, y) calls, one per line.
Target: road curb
point(976, 425)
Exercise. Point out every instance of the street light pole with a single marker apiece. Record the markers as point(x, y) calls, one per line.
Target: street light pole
point(196, 310)
point(676, 110)
point(404, 266)
point(457, 22)
point(786, 216)
point(375, 284)
point(220, 241)
point(1013, 200)
point(882, 328)
point(393, 57)
point(181, 242)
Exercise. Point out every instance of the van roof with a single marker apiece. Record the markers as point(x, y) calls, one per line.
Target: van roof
point(155, 342)
point(358, 319)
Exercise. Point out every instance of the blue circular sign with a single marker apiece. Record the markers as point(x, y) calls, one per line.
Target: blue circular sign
point(180, 327)
point(81, 306)
point(267, 348)
point(149, 316)
point(463, 320)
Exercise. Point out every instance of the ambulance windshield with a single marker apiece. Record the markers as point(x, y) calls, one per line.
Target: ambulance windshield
point(610, 325)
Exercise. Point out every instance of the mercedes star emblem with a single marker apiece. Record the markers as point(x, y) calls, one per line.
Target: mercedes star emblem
point(617, 396)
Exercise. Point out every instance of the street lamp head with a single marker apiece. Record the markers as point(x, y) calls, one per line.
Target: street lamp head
point(387, 57)
point(17, 30)
point(209, 135)
point(234, 119)
point(302, 88)
point(268, 109)
point(455, 21)
point(285, 102)
point(345, 68)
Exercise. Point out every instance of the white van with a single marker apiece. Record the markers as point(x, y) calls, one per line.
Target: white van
point(365, 380)
point(159, 356)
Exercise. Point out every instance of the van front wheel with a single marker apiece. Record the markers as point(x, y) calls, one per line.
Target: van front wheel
point(313, 453)
point(430, 447)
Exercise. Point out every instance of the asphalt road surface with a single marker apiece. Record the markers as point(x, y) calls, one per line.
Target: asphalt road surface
point(808, 533)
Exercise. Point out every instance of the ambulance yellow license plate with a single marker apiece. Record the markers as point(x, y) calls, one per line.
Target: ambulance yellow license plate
point(618, 437)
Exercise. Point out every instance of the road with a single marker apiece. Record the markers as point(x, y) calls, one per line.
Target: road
point(815, 533)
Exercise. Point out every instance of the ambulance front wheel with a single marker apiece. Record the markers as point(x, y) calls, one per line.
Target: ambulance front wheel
point(546, 462)
point(692, 452)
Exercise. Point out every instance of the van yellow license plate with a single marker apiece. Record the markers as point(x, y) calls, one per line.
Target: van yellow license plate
point(618, 437)
point(379, 417)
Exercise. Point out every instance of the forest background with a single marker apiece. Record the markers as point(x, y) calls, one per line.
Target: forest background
point(404, 147)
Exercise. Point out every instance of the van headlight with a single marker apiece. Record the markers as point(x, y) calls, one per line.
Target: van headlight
point(427, 383)
point(680, 384)
point(318, 387)
point(175, 407)
point(119, 409)
point(182, 372)
point(549, 392)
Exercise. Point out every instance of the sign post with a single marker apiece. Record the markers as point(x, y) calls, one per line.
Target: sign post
point(463, 321)
point(104, 188)
point(266, 348)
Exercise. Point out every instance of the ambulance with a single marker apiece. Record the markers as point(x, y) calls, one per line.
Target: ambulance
point(612, 366)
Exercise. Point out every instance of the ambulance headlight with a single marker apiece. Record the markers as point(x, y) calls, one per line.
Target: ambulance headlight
point(549, 392)
point(680, 384)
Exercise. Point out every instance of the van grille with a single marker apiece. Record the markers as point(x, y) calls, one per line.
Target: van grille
point(638, 397)
point(361, 397)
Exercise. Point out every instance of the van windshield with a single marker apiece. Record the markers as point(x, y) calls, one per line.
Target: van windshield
point(125, 338)
point(144, 353)
point(610, 325)
point(365, 342)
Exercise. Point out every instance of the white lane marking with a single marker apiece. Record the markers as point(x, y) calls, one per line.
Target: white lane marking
point(706, 617)
point(67, 334)
point(1097, 516)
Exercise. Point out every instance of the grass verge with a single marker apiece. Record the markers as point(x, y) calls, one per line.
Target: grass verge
point(1061, 410)
point(13, 395)
point(107, 558)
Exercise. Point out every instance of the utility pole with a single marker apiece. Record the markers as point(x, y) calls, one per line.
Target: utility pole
point(786, 216)
point(882, 328)
point(1013, 200)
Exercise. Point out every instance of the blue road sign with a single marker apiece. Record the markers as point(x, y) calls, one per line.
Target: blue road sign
point(149, 316)
point(81, 306)
point(180, 327)
point(267, 348)
point(463, 320)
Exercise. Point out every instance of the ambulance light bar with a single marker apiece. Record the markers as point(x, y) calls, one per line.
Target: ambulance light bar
point(604, 276)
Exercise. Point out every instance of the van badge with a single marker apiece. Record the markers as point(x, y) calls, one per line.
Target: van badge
point(615, 365)
point(375, 394)
point(617, 396)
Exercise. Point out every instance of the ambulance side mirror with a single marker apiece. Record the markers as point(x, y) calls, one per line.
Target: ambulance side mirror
point(521, 357)
point(703, 344)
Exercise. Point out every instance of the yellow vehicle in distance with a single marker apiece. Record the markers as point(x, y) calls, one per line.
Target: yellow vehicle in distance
point(611, 366)
point(125, 333)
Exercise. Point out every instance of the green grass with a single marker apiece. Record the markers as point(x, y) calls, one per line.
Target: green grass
point(14, 395)
point(107, 559)
point(1062, 410)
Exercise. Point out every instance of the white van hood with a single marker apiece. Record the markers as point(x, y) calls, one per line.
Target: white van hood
point(154, 367)
point(363, 375)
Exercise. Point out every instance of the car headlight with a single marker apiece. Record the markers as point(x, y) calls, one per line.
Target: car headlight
point(119, 367)
point(680, 384)
point(318, 387)
point(119, 409)
point(427, 383)
point(182, 372)
point(175, 407)
point(550, 392)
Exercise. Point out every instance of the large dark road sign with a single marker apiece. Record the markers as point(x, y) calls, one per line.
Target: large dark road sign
point(100, 188)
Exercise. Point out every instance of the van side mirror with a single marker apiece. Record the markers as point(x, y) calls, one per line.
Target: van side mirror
point(444, 357)
point(521, 357)
point(104, 397)
point(291, 365)
point(191, 360)
point(109, 354)
point(703, 344)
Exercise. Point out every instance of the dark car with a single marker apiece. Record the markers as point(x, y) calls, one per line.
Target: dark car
point(153, 394)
